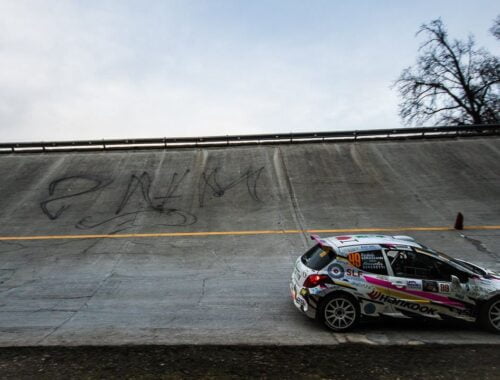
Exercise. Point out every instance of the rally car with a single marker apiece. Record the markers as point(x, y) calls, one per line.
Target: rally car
point(344, 277)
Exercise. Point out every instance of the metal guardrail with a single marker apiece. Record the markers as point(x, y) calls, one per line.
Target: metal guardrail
point(286, 138)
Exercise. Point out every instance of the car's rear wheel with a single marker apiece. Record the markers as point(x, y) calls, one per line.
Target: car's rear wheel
point(339, 312)
point(489, 315)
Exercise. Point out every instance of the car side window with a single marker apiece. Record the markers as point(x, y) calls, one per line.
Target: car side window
point(369, 261)
point(416, 265)
point(448, 270)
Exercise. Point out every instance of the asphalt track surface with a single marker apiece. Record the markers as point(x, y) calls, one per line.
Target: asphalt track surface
point(196, 246)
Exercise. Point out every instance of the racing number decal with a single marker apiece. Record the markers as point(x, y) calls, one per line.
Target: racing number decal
point(355, 259)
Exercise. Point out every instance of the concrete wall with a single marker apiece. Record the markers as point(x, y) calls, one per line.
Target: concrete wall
point(384, 184)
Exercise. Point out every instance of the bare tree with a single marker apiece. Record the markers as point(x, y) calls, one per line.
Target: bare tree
point(452, 83)
point(495, 29)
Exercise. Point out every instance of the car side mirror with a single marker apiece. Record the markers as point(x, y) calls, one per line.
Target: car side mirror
point(455, 281)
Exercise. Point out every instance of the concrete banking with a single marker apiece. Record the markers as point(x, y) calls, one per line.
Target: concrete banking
point(222, 289)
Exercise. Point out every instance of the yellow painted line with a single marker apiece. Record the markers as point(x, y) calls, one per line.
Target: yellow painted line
point(240, 233)
point(361, 230)
point(482, 228)
point(149, 235)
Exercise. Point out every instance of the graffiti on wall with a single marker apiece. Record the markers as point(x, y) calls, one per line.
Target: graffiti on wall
point(140, 196)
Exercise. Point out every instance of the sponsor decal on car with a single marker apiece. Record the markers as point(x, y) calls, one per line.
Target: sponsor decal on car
point(355, 259)
point(414, 284)
point(367, 260)
point(300, 301)
point(372, 261)
point(336, 271)
point(430, 286)
point(353, 273)
point(358, 248)
point(345, 238)
point(370, 308)
point(379, 296)
point(444, 288)
point(417, 294)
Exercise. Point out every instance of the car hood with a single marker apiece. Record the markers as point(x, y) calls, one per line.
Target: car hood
point(489, 282)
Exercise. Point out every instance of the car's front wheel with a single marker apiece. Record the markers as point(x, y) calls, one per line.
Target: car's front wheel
point(339, 312)
point(489, 315)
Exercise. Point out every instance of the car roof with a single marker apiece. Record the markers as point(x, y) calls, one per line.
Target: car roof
point(370, 239)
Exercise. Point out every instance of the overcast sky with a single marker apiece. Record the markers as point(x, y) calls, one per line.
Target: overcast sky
point(113, 69)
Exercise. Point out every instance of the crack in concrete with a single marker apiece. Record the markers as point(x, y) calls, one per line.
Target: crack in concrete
point(7, 275)
point(70, 298)
point(221, 259)
point(85, 304)
point(202, 295)
point(18, 246)
point(141, 243)
point(480, 246)
point(39, 310)
point(297, 215)
point(92, 245)
point(9, 289)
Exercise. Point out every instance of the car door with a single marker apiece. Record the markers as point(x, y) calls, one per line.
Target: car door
point(370, 277)
point(420, 283)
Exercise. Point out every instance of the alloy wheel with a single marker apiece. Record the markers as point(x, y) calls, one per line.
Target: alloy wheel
point(340, 313)
point(494, 314)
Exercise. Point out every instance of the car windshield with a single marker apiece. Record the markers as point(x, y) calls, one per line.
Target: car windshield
point(318, 257)
point(470, 267)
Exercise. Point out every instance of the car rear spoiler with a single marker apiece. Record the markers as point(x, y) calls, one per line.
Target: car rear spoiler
point(320, 241)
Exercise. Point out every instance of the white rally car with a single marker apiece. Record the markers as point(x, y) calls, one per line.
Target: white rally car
point(344, 277)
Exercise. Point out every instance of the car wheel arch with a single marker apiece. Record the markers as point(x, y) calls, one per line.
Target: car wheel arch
point(337, 293)
point(483, 311)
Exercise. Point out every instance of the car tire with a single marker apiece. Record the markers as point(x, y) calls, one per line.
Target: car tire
point(489, 315)
point(339, 312)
